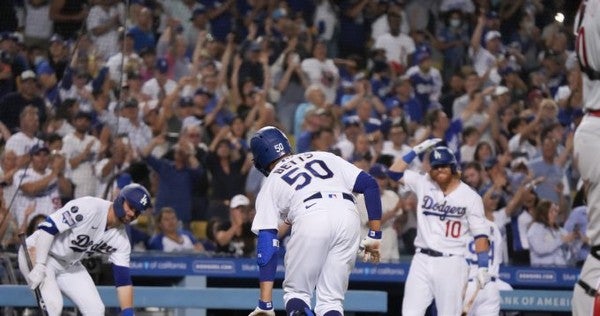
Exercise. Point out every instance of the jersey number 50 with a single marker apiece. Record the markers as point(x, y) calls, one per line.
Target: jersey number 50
point(321, 171)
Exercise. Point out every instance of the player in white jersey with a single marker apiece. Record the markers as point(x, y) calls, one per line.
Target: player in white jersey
point(84, 226)
point(448, 210)
point(586, 296)
point(487, 300)
point(312, 192)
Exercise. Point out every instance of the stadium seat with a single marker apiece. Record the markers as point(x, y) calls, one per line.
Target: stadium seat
point(198, 229)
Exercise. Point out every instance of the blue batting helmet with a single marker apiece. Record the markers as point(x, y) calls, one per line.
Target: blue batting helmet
point(268, 145)
point(136, 196)
point(442, 156)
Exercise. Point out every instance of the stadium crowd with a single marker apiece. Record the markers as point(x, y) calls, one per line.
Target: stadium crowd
point(97, 94)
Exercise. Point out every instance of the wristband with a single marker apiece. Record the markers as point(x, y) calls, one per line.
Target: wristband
point(408, 158)
point(395, 175)
point(265, 305)
point(483, 259)
point(375, 234)
point(127, 312)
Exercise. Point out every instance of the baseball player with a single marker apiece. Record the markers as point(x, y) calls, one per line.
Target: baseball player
point(487, 301)
point(312, 192)
point(84, 226)
point(448, 211)
point(586, 299)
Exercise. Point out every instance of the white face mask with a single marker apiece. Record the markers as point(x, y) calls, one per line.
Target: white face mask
point(455, 22)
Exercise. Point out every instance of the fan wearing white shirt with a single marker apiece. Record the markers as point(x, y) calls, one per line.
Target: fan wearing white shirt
point(21, 142)
point(397, 46)
point(81, 150)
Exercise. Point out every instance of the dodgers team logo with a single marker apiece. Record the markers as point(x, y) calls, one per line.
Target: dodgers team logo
point(144, 200)
point(433, 208)
point(278, 147)
point(437, 155)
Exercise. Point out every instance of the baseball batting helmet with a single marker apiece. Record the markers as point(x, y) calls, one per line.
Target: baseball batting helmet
point(136, 196)
point(268, 145)
point(442, 156)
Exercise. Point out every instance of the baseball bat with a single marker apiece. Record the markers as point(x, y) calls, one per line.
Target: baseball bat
point(467, 307)
point(38, 294)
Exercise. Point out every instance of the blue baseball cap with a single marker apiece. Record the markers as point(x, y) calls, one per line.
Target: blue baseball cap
point(44, 68)
point(186, 101)
point(7, 36)
point(422, 56)
point(351, 121)
point(197, 12)
point(203, 91)
point(56, 38)
point(162, 65)
point(278, 14)
point(492, 15)
point(38, 148)
point(378, 171)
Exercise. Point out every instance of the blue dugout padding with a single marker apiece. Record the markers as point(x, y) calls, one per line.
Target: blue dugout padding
point(241, 299)
point(189, 297)
point(536, 300)
point(151, 264)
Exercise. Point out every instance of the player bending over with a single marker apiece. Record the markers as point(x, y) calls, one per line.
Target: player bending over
point(83, 226)
point(312, 192)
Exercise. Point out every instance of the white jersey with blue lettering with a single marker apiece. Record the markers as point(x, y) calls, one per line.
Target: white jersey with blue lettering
point(487, 300)
point(313, 192)
point(444, 221)
point(46, 201)
point(81, 225)
point(495, 251)
point(299, 178)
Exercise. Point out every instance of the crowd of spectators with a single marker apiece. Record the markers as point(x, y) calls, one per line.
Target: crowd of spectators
point(95, 94)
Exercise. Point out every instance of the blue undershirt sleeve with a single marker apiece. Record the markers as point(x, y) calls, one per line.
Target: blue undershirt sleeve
point(121, 275)
point(366, 185)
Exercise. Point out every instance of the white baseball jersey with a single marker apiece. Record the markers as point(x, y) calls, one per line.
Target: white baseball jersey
point(487, 301)
point(586, 147)
point(296, 178)
point(312, 192)
point(46, 202)
point(587, 30)
point(82, 230)
point(444, 221)
point(495, 251)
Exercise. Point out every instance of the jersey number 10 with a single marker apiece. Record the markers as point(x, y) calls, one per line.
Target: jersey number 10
point(453, 229)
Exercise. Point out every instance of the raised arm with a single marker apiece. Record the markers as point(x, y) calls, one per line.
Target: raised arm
point(396, 170)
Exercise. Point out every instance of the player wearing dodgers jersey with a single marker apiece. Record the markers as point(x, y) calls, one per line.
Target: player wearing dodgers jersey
point(84, 226)
point(487, 301)
point(586, 299)
point(312, 192)
point(448, 210)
